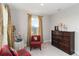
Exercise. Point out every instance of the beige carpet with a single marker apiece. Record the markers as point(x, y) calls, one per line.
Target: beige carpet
point(48, 50)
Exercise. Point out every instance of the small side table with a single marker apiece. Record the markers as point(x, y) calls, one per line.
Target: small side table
point(19, 45)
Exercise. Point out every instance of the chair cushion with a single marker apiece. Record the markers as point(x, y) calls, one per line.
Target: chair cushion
point(23, 52)
point(35, 42)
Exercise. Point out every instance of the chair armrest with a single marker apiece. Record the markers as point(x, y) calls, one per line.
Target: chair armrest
point(14, 52)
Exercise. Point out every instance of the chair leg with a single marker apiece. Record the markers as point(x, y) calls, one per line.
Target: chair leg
point(30, 48)
point(40, 48)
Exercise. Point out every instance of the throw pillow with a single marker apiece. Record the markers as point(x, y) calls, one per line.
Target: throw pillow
point(35, 38)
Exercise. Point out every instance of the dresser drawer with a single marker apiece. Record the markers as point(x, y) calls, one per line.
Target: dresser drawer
point(67, 33)
point(57, 33)
point(66, 38)
point(64, 48)
point(64, 44)
point(56, 37)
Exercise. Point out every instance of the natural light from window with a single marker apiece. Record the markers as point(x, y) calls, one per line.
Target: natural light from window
point(35, 25)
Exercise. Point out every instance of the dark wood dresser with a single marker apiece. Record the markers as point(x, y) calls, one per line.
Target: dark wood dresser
point(63, 40)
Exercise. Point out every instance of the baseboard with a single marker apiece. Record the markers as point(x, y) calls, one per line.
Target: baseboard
point(47, 41)
point(77, 53)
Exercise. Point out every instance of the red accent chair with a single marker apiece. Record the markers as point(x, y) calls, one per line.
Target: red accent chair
point(7, 51)
point(35, 41)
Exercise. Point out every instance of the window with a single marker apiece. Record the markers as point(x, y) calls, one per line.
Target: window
point(35, 25)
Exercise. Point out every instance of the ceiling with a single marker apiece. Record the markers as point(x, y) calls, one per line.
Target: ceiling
point(37, 9)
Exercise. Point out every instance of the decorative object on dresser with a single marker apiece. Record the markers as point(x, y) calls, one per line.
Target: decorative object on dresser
point(63, 40)
point(56, 28)
point(62, 27)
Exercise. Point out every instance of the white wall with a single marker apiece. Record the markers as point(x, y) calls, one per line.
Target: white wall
point(46, 28)
point(70, 17)
point(20, 20)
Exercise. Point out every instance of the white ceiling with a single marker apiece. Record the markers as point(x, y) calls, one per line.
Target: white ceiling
point(36, 9)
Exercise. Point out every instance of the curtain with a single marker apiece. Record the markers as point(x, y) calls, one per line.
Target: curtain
point(10, 29)
point(5, 25)
point(1, 25)
point(40, 32)
point(29, 29)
